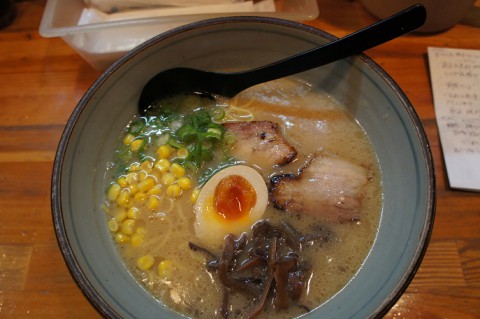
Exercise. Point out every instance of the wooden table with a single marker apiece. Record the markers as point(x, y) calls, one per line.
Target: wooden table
point(41, 81)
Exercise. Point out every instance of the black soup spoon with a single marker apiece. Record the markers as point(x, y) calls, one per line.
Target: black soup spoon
point(187, 81)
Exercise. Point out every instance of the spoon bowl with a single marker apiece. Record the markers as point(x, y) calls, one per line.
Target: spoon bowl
point(187, 80)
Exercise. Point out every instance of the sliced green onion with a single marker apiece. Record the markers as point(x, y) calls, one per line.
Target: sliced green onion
point(214, 133)
point(190, 167)
point(162, 139)
point(136, 126)
point(207, 154)
point(207, 145)
point(174, 143)
point(195, 153)
point(218, 114)
point(186, 133)
point(229, 138)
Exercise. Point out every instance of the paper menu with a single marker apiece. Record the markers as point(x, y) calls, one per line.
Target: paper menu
point(455, 76)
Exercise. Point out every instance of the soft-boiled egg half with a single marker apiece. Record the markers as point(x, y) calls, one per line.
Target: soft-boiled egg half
point(230, 202)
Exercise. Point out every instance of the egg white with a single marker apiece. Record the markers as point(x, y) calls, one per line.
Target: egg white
point(209, 226)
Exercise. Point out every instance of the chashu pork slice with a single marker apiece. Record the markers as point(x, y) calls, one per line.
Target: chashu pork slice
point(260, 142)
point(328, 187)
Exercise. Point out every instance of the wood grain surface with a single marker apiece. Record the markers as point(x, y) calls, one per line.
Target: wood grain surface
point(41, 80)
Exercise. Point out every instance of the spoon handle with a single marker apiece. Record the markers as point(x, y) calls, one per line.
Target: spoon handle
point(355, 43)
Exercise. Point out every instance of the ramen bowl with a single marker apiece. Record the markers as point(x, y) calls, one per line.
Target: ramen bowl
point(373, 98)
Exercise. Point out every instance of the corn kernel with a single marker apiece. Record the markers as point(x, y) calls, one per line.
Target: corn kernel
point(121, 238)
point(182, 153)
point(165, 268)
point(113, 192)
point(120, 214)
point(132, 178)
point(194, 196)
point(134, 167)
point(164, 151)
point(146, 184)
point(185, 183)
point(112, 225)
point(156, 190)
point(123, 198)
point(140, 197)
point(147, 166)
point(128, 139)
point(177, 170)
point(167, 179)
point(162, 165)
point(141, 175)
point(133, 189)
point(133, 213)
point(136, 240)
point(137, 144)
point(145, 262)
point(128, 226)
point(174, 190)
point(153, 203)
point(122, 181)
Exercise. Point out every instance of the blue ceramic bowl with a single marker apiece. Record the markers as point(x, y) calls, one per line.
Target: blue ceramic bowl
point(369, 93)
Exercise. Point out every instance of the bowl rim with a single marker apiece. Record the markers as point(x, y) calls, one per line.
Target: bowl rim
point(95, 298)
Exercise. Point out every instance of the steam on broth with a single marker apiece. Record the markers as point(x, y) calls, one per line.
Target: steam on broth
point(307, 198)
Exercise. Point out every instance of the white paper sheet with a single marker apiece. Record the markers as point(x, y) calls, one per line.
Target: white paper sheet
point(92, 15)
point(109, 6)
point(455, 75)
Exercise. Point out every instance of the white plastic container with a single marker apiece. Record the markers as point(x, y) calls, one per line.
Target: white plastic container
point(101, 43)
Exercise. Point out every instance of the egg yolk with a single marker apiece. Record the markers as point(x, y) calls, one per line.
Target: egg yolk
point(234, 197)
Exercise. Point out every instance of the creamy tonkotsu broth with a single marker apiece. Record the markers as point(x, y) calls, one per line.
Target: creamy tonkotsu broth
point(155, 182)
